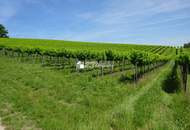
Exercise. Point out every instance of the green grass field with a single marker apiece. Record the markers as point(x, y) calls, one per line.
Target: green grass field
point(33, 97)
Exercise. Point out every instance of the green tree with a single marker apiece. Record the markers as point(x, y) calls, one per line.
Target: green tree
point(3, 32)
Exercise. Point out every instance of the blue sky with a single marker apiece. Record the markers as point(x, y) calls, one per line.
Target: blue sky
point(120, 21)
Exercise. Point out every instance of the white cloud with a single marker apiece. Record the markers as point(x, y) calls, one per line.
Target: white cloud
point(126, 17)
point(122, 11)
point(115, 19)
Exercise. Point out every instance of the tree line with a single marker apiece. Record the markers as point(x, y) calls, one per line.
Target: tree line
point(3, 32)
point(187, 45)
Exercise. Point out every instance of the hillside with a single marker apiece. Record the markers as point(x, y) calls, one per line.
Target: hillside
point(131, 93)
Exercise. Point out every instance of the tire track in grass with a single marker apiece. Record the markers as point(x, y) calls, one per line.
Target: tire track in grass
point(120, 117)
point(124, 115)
point(15, 120)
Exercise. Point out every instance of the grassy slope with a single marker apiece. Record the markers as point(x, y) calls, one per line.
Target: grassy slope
point(54, 99)
point(35, 97)
point(58, 44)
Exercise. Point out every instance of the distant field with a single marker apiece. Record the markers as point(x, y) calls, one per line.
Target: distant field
point(71, 45)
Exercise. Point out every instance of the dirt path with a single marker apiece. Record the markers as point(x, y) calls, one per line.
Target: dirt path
point(128, 104)
point(1, 127)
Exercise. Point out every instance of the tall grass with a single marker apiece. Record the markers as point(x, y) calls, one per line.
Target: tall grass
point(32, 97)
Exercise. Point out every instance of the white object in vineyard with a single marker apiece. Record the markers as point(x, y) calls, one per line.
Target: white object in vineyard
point(80, 65)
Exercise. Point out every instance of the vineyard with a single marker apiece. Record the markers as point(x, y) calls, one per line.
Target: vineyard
point(118, 87)
point(106, 58)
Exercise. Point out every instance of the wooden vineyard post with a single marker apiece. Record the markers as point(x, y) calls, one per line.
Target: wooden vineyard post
point(76, 61)
point(63, 61)
point(49, 60)
point(36, 58)
point(136, 72)
point(42, 62)
point(18, 57)
point(59, 58)
point(3, 52)
point(21, 56)
point(135, 75)
point(102, 70)
point(84, 65)
point(112, 66)
point(123, 64)
point(33, 58)
point(185, 72)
